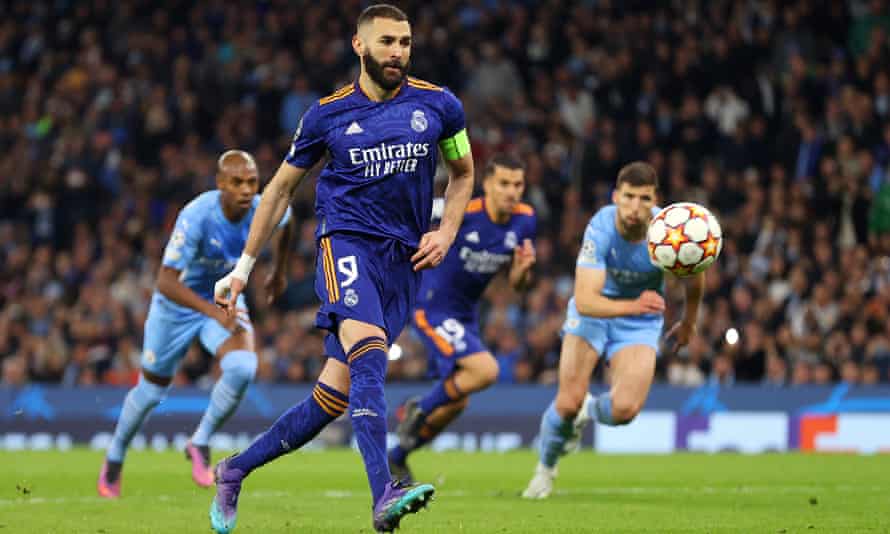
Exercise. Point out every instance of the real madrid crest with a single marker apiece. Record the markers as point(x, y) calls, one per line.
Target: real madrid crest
point(510, 240)
point(418, 121)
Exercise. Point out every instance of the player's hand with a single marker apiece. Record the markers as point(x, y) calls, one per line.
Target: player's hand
point(275, 284)
point(524, 256)
point(649, 302)
point(680, 334)
point(226, 291)
point(229, 321)
point(432, 250)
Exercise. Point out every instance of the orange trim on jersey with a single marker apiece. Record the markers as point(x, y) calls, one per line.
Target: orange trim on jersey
point(374, 345)
point(341, 93)
point(324, 406)
point(330, 275)
point(362, 91)
point(424, 325)
point(523, 209)
point(322, 245)
point(475, 206)
point(324, 267)
point(338, 404)
point(334, 283)
point(422, 84)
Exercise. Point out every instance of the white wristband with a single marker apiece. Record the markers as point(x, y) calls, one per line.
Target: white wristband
point(243, 267)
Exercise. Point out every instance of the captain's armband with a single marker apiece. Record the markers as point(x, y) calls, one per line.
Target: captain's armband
point(456, 146)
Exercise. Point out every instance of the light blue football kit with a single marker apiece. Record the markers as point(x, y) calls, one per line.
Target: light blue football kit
point(628, 273)
point(204, 246)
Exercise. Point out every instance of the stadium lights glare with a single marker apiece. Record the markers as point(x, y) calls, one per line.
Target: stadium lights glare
point(395, 352)
point(732, 336)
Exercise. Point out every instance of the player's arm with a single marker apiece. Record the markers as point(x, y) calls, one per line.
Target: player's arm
point(590, 279)
point(178, 254)
point(521, 275)
point(459, 191)
point(590, 301)
point(695, 290)
point(274, 202)
point(172, 287)
point(306, 149)
point(434, 245)
point(683, 331)
point(283, 240)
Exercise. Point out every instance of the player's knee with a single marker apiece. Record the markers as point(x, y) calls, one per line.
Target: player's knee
point(488, 372)
point(149, 393)
point(625, 410)
point(569, 401)
point(240, 366)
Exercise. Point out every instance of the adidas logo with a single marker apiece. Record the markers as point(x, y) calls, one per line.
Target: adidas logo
point(473, 237)
point(354, 128)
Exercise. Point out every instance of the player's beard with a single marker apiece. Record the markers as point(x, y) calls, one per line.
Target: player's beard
point(378, 75)
point(633, 229)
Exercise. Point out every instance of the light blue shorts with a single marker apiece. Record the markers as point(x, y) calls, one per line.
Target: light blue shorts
point(169, 335)
point(609, 335)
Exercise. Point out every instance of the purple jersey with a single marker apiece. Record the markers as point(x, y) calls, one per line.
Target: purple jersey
point(379, 180)
point(481, 249)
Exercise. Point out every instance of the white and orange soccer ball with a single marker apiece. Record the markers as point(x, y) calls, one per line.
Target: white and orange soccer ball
point(684, 239)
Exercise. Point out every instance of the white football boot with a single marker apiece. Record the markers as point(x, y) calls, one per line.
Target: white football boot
point(541, 485)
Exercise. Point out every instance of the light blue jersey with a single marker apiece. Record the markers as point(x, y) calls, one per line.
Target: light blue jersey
point(204, 246)
point(628, 273)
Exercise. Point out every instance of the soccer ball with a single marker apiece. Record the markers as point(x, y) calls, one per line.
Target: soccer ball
point(684, 239)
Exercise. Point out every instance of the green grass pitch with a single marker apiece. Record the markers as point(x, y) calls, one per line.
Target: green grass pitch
point(54, 492)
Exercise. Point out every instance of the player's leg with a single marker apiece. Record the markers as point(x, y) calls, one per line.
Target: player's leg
point(577, 361)
point(166, 341)
point(461, 359)
point(558, 424)
point(398, 283)
point(292, 430)
point(565, 418)
point(366, 349)
point(138, 404)
point(426, 417)
point(238, 362)
point(415, 430)
point(632, 371)
point(633, 342)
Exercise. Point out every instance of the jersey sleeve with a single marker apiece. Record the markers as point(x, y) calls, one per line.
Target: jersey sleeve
point(308, 144)
point(453, 120)
point(531, 228)
point(183, 243)
point(594, 247)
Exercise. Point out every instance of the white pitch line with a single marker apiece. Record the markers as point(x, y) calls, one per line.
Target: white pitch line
point(348, 494)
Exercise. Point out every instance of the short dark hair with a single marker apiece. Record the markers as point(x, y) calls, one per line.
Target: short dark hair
point(380, 11)
point(637, 174)
point(507, 161)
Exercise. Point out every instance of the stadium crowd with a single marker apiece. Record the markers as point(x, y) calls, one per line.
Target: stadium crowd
point(773, 114)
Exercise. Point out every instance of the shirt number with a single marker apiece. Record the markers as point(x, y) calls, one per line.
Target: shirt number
point(452, 331)
point(348, 266)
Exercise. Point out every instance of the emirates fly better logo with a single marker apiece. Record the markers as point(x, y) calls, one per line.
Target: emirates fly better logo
point(385, 159)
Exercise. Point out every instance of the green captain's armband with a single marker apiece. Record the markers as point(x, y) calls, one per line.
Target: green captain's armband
point(456, 146)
